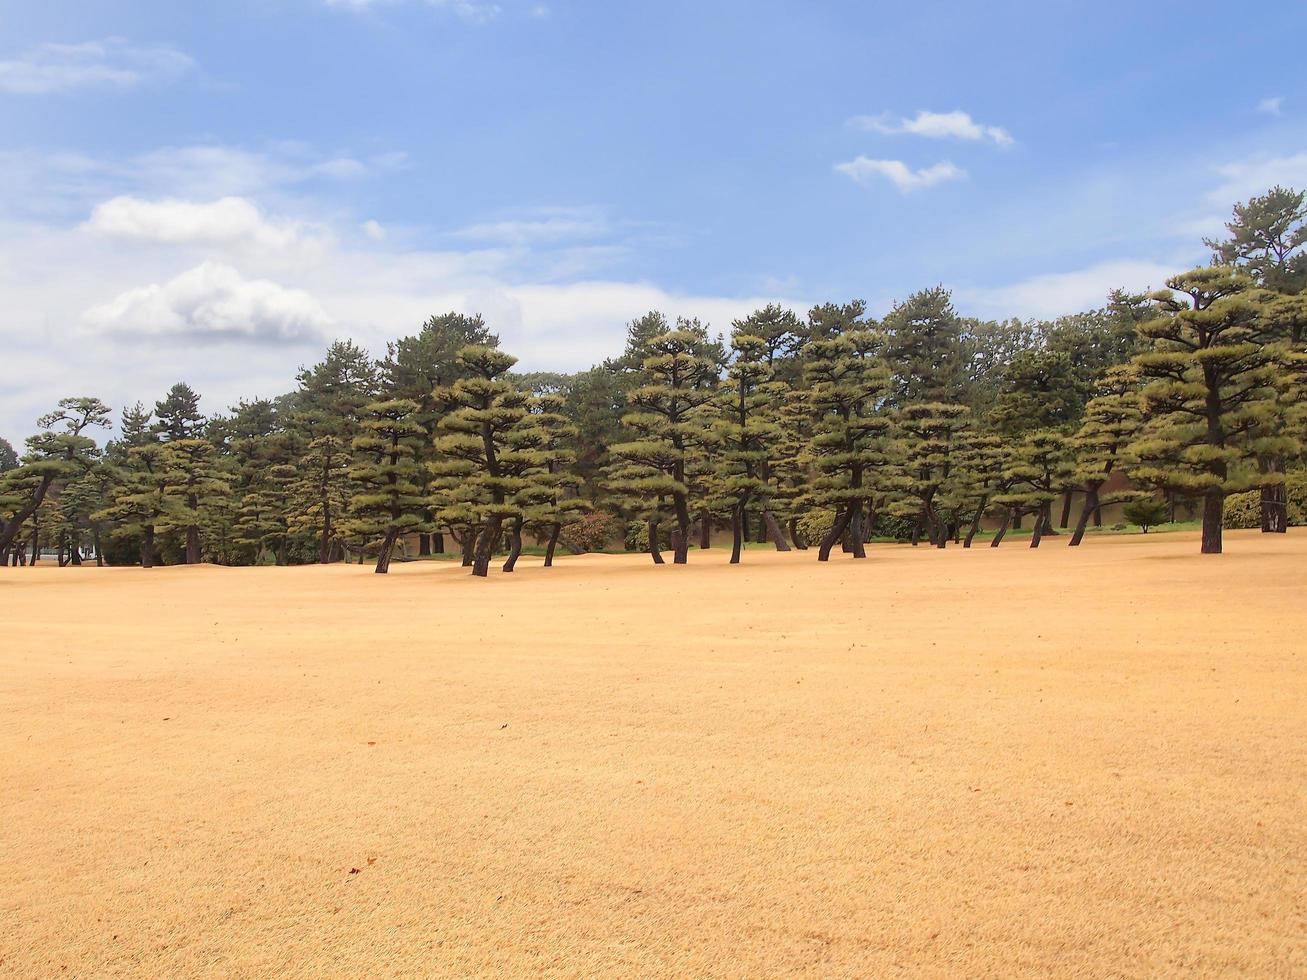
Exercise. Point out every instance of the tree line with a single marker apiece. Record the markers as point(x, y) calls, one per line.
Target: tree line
point(817, 431)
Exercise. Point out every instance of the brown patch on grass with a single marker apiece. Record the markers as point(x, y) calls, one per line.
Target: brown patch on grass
point(986, 762)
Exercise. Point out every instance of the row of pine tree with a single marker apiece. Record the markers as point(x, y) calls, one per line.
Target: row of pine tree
point(820, 431)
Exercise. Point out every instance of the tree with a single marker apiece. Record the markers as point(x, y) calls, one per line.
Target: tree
point(1146, 513)
point(846, 384)
point(179, 414)
point(61, 451)
point(929, 435)
point(8, 458)
point(319, 492)
point(1101, 445)
point(978, 469)
point(670, 421)
point(143, 498)
point(199, 483)
point(1039, 471)
point(1209, 390)
point(745, 433)
point(1266, 240)
point(923, 347)
point(474, 484)
point(542, 461)
point(390, 502)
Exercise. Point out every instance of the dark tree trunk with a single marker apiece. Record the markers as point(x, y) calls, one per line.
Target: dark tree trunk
point(468, 546)
point(424, 545)
point(855, 533)
point(1066, 509)
point(1091, 507)
point(916, 531)
point(655, 552)
point(744, 518)
point(762, 529)
point(324, 539)
point(485, 546)
point(705, 530)
point(438, 543)
point(836, 533)
point(9, 531)
point(1037, 532)
point(774, 529)
point(737, 533)
point(95, 543)
point(192, 545)
point(1002, 528)
point(681, 545)
point(555, 530)
point(36, 541)
point(147, 548)
point(1016, 521)
point(975, 522)
point(514, 545)
point(1213, 516)
point(1098, 516)
point(1170, 505)
point(1274, 499)
point(795, 536)
point(1048, 530)
point(387, 549)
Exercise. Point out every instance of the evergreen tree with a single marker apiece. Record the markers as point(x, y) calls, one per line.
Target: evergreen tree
point(179, 414)
point(924, 349)
point(978, 468)
point(846, 384)
point(61, 451)
point(390, 502)
point(1267, 240)
point(549, 498)
point(199, 483)
point(1209, 391)
point(1110, 425)
point(1040, 469)
point(143, 499)
point(319, 492)
point(474, 485)
point(928, 437)
point(671, 423)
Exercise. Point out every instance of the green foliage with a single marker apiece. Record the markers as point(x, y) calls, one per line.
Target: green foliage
point(1244, 510)
point(1146, 513)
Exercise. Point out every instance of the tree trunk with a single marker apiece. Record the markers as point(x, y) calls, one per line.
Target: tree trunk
point(655, 552)
point(387, 549)
point(1066, 509)
point(468, 545)
point(147, 548)
point(1002, 528)
point(438, 542)
point(1098, 516)
point(682, 542)
point(1091, 507)
point(1048, 530)
point(75, 552)
point(1275, 509)
point(1213, 516)
point(1037, 532)
point(95, 543)
point(514, 545)
point(705, 530)
point(774, 529)
point(855, 532)
point(1016, 521)
point(485, 547)
point(737, 533)
point(555, 530)
point(795, 536)
point(192, 545)
point(762, 529)
point(975, 522)
point(9, 531)
point(916, 531)
point(424, 545)
point(836, 533)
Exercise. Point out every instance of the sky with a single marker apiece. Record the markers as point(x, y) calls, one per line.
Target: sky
point(213, 192)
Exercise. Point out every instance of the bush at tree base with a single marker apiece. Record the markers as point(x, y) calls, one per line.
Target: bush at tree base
point(591, 532)
point(1244, 510)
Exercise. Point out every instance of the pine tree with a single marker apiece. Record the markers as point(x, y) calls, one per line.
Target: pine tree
point(62, 451)
point(928, 436)
point(1101, 445)
point(671, 423)
point(390, 502)
point(318, 494)
point(978, 468)
point(473, 488)
point(923, 346)
point(746, 434)
point(144, 498)
point(1040, 469)
point(1210, 388)
point(549, 498)
point(846, 384)
point(199, 483)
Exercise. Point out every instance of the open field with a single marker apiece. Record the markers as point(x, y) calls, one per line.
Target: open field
point(987, 762)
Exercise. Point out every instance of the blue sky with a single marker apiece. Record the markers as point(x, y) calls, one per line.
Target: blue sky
point(210, 192)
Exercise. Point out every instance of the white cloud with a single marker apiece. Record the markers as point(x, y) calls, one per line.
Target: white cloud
point(1244, 178)
point(864, 170)
point(177, 222)
point(373, 230)
point(212, 302)
point(1053, 294)
point(539, 225)
point(112, 63)
point(477, 11)
point(934, 125)
point(1273, 106)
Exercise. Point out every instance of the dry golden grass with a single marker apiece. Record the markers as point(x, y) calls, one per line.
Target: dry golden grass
point(986, 762)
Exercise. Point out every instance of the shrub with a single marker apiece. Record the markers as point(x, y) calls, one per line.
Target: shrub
point(591, 531)
point(1244, 510)
point(1146, 513)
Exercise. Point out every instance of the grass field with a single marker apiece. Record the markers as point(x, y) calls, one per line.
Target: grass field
point(991, 762)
